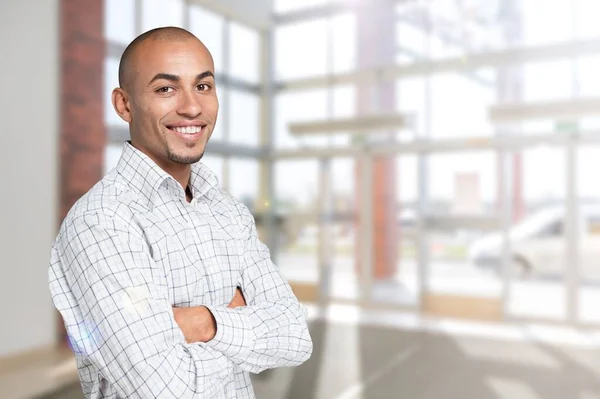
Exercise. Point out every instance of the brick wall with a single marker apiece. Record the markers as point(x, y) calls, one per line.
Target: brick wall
point(82, 132)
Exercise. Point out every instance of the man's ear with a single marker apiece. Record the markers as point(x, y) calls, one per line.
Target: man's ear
point(120, 101)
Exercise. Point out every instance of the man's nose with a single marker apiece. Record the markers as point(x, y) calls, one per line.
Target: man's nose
point(190, 105)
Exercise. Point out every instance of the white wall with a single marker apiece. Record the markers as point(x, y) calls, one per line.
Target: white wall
point(29, 106)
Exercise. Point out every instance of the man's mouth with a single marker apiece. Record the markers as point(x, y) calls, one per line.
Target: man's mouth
point(188, 129)
point(188, 132)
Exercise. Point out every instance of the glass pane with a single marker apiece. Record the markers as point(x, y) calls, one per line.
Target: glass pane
point(537, 76)
point(243, 180)
point(296, 185)
point(410, 100)
point(451, 173)
point(208, 27)
point(119, 20)
point(411, 41)
point(552, 25)
point(588, 159)
point(112, 154)
point(244, 118)
point(158, 13)
point(244, 53)
point(587, 74)
point(301, 49)
point(312, 105)
point(344, 42)
point(467, 117)
point(586, 18)
point(297, 107)
point(537, 235)
point(345, 281)
point(461, 185)
point(215, 163)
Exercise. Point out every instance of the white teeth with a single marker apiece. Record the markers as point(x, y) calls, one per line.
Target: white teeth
point(188, 129)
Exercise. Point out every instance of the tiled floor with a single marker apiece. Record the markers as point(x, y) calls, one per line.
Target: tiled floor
point(383, 355)
point(366, 361)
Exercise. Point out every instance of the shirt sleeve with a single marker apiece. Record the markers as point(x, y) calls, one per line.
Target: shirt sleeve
point(117, 313)
point(271, 331)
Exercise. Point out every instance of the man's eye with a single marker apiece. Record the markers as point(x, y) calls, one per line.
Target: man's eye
point(203, 87)
point(164, 90)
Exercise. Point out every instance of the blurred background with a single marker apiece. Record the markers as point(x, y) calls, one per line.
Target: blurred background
point(425, 173)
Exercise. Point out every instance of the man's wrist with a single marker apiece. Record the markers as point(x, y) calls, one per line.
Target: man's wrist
point(208, 325)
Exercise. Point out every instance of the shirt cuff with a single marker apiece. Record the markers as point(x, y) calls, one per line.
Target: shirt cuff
point(234, 332)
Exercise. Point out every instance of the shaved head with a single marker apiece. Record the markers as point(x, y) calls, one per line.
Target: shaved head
point(127, 65)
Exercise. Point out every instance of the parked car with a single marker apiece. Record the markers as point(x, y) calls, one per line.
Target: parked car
point(538, 243)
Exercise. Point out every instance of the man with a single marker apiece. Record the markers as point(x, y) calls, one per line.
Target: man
point(164, 287)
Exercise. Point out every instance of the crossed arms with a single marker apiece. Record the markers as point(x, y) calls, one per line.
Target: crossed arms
point(198, 324)
point(118, 314)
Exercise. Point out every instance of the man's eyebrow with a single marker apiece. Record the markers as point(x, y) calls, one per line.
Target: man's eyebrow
point(175, 78)
point(166, 76)
point(205, 75)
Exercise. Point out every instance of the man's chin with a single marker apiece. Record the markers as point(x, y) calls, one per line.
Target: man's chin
point(185, 159)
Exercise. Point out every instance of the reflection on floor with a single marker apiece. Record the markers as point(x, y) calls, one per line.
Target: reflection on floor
point(379, 355)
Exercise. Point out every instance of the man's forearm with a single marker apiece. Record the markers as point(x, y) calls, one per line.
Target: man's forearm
point(197, 323)
point(263, 335)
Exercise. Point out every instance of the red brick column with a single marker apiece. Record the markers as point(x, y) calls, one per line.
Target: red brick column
point(83, 133)
point(377, 48)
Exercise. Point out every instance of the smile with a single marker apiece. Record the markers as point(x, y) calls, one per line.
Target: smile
point(188, 132)
point(188, 129)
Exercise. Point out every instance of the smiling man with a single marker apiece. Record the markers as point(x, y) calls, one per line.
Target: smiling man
point(164, 287)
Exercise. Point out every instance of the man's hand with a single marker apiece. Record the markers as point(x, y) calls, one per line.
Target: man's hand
point(238, 299)
point(198, 324)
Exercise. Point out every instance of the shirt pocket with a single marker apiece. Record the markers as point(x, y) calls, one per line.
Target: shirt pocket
point(217, 252)
point(171, 242)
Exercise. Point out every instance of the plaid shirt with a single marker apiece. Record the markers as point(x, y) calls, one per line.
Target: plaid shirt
point(131, 249)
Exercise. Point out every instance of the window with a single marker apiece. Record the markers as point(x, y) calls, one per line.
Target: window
point(112, 153)
point(157, 13)
point(243, 180)
point(343, 28)
point(446, 181)
point(296, 185)
point(467, 117)
point(208, 27)
point(244, 118)
point(244, 53)
point(214, 163)
point(538, 75)
point(587, 73)
point(308, 106)
point(586, 17)
point(301, 49)
point(119, 21)
point(551, 26)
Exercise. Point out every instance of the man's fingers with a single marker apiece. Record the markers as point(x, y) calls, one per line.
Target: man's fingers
point(238, 299)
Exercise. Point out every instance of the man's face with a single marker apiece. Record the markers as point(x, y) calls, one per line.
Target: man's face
point(173, 101)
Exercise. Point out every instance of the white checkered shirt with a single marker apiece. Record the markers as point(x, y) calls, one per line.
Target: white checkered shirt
point(131, 249)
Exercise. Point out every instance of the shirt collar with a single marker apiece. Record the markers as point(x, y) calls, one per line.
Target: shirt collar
point(145, 176)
